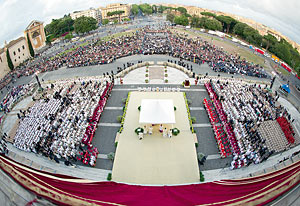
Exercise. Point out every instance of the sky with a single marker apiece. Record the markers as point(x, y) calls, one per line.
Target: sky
point(281, 15)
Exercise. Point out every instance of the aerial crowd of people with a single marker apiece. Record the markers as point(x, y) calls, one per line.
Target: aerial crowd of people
point(245, 112)
point(59, 124)
point(146, 41)
point(56, 124)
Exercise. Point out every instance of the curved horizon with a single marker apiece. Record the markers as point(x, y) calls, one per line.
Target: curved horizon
point(280, 16)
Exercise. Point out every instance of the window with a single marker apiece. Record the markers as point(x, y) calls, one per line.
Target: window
point(14, 53)
point(23, 48)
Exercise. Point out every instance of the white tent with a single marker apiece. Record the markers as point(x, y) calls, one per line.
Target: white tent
point(157, 111)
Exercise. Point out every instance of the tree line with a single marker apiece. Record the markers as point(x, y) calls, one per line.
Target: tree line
point(229, 25)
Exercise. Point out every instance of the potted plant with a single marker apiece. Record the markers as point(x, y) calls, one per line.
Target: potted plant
point(139, 130)
point(187, 83)
point(175, 131)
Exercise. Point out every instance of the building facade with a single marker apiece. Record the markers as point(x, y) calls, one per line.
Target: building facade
point(36, 33)
point(18, 51)
point(115, 7)
point(92, 12)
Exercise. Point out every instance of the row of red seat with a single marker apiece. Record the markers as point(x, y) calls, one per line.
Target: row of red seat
point(94, 120)
point(220, 134)
point(287, 129)
point(230, 136)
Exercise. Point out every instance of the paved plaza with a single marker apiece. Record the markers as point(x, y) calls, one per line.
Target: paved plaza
point(156, 159)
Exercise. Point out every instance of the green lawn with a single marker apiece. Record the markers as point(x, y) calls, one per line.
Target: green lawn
point(229, 47)
point(117, 35)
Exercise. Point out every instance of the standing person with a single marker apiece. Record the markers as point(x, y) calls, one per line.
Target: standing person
point(165, 132)
point(170, 133)
point(160, 128)
point(150, 130)
point(145, 130)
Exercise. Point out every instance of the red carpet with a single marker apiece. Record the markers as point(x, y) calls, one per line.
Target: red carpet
point(67, 190)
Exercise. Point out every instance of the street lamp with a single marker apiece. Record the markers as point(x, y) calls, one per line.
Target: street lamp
point(37, 79)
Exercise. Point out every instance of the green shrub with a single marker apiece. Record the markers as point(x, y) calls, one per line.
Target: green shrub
point(116, 144)
point(194, 119)
point(175, 108)
point(166, 75)
point(196, 144)
point(189, 102)
point(109, 177)
point(146, 75)
point(119, 118)
point(166, 81)
point(146, 80)
point(111, 156)
point(124, 100)
point(201, 177)
point(139, 108)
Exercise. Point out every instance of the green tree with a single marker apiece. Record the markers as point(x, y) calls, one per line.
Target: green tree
point(208, 14)
point(31, 51)
point(161, 9)
point(252, 36)
point(268, 40)
point(85, 24)
point(57, 27)
point(9, 62)
point(212, 24)
point(154, 9)
point(134, 9)
point(195, 21)
point(113, 13)
point(181, 20)
point(239, 28)
point(146, 9)
point(105, 21)
point(170, 17)
point(228, 22)
point(182, 10)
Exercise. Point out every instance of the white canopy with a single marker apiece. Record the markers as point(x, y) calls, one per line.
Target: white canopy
point(157, 111)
